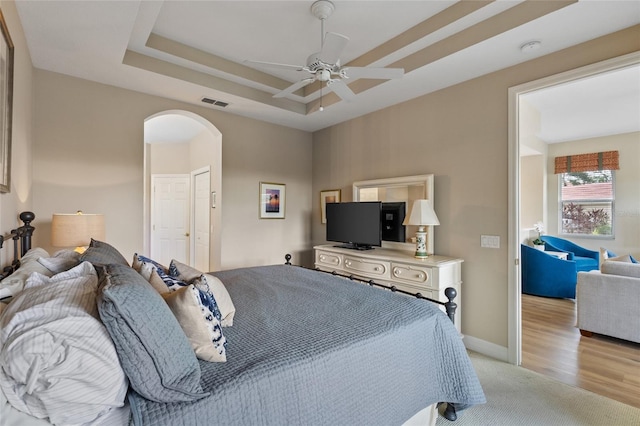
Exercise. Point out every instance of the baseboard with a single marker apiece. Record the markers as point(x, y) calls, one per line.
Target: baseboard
point(486, 348)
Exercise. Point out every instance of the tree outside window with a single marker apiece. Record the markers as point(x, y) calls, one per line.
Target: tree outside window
point(586, 200)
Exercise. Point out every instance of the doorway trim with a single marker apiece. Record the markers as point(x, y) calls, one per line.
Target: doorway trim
point(514, 290)
point(210, 205)
point(216, 186)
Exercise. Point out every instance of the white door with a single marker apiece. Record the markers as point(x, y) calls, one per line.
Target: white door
point(201, 218)
point(170, 218)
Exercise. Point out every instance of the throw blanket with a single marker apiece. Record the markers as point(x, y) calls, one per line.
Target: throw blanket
point(314, 349)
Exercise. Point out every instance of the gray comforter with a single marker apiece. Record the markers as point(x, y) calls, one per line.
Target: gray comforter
point(308, 348)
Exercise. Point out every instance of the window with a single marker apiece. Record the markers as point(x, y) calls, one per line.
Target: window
point(586, 203)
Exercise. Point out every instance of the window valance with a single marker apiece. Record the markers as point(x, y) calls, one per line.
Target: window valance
point(607, 160)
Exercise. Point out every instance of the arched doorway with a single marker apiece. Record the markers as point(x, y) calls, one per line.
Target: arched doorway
point(176, 143)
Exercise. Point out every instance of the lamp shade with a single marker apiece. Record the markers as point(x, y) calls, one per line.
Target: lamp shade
point(76, 230)
point(422, 214)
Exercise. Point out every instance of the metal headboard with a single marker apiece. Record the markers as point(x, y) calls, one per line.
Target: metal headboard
point(21, 236)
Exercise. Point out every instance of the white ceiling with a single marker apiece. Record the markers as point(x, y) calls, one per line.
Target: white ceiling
point(187, 50)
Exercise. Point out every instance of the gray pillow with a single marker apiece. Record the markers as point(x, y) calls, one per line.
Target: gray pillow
point(154, 352)
point(100, 253)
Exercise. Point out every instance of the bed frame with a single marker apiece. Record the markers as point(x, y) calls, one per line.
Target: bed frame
point(21, 237)
point(450, 306)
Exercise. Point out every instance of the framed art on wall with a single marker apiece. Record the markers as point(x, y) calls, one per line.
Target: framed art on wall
point(328, 196)
point(272, 200)
point(6, 105)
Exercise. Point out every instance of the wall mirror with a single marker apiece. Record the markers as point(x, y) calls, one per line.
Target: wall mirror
point(399, 190)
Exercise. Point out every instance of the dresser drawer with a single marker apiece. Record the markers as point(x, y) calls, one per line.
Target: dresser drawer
point(418, 276)
point(415, 289)
point(330, 260)
point(370, 267)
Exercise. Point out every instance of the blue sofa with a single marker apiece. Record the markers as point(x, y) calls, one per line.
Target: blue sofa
point(586, 260)
point(546, 275)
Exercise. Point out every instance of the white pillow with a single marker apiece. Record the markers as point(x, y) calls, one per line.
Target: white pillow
point(14, 283)
point(217, 288)
point(57, 360)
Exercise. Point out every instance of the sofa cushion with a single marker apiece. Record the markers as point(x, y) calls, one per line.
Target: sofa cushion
point(625, 258)
point(626, 269)
point(585, 263)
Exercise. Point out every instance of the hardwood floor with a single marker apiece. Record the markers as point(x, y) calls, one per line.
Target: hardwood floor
point(553, 346)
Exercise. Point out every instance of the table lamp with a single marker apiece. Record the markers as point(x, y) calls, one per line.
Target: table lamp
point(76, 230)
point(422, 215)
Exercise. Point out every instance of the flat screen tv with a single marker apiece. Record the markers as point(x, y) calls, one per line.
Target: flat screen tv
point(392, 218)
point(355, 225)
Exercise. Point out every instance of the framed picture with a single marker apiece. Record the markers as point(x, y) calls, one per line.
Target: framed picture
point(272, 200)
point(6, 105)
point(328, 196)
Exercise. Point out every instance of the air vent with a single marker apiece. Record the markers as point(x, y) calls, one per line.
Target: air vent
point(214, 102)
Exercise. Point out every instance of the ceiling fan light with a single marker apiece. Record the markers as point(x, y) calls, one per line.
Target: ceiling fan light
point(324, 75)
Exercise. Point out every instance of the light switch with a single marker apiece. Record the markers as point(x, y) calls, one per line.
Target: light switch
point(490, 241)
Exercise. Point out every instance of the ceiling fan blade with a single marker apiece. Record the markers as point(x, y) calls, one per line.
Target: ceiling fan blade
point(378, 73)
point(276, 65)
point(294, 87)
point(341, 89)
point(332, 47)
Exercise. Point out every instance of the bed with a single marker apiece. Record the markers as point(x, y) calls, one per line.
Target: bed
point(285, 345)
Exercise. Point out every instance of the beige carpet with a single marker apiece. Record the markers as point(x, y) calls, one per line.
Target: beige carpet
point(517, 396)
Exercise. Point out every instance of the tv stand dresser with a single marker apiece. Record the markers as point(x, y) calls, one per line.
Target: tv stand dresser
point(395, 267)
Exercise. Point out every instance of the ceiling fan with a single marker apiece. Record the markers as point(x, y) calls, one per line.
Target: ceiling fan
point(324, 66)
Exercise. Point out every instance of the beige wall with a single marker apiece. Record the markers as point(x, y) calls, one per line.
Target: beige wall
point(20, 197)
point(533, 187)
point(460, 134)
point(170, 158)
point(533, 176)
point(88, 155)
point(627, 191)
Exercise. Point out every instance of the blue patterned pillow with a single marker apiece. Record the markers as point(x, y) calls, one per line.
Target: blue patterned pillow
point(202, 328)
point(173, 269)
point(145, 259)
point(174, 283)
point(206, 296)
